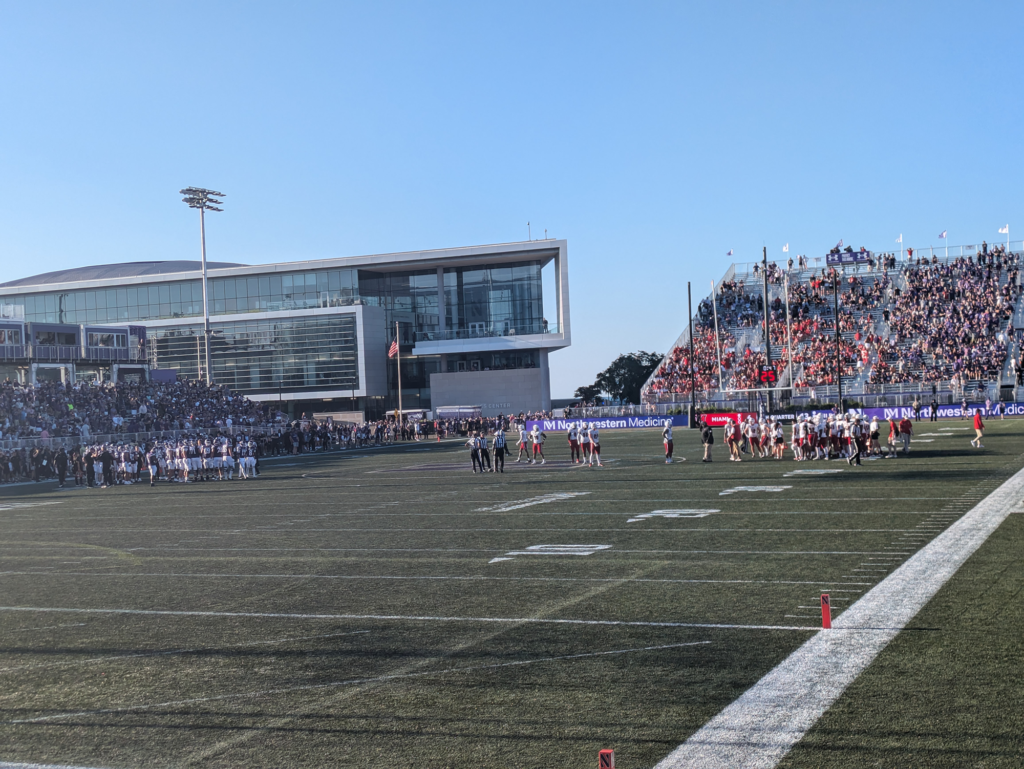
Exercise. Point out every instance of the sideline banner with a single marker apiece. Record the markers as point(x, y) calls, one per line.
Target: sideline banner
point(718, 420)
point(608, 423)
point(949, 411)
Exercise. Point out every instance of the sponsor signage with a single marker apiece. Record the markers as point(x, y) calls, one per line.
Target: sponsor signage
point(608, 423)
point(847, 257)
point(949, 411)
point(718, 420)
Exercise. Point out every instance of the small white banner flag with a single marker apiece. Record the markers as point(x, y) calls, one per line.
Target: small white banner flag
point(942, 234)
point(786, 247)
point(1005, 230)
point(900, 238)
point(729, 252)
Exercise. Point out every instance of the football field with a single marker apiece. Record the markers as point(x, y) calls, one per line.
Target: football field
point(389, 608)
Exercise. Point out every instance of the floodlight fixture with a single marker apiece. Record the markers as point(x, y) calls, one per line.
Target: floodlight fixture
point(205, 200)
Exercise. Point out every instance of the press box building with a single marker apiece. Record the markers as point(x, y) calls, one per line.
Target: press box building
point(475, 327)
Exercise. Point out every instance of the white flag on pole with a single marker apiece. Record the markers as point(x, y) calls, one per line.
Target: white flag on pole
point(786, 247)
point(900, 238)
point(1004, 230)
point(942, 234)
point(729, 252)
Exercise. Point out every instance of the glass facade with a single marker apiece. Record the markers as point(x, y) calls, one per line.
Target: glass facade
point(492, 361)
point(184, 298)
point(494, 301)
point(313, 353)
point(408, 297)
point(478, 301)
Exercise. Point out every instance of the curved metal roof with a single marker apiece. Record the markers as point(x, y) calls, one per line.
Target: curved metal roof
point(107, 271)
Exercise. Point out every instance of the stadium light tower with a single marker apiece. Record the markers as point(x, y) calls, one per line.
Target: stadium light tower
point(204, 200)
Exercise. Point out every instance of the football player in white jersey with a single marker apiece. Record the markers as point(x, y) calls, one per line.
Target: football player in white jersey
point(666, 438)
point(594, 439)
point(153, 462)
point(753, 435)
point(584, 441)
point(574, 443)
point(537, 438)
point(227, 462)
point(523, 446)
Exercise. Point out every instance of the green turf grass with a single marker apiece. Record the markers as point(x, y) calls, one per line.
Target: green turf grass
point(391, 550)
point(947, 692)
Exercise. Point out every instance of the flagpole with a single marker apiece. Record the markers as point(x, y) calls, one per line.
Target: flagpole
point(398, 353)
point(789, 338)
point(718, 343)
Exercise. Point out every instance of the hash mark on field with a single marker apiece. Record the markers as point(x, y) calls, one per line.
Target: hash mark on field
point(753, 488)
point(19, 505)
point(544, 499)
point(553, 550)
point(673, 514)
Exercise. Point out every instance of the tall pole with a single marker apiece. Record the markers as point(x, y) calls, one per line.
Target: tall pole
point(206, 301)
point(767, 326)
point(398, 353)
point(718, 343)
point(839, 352)
point(693, 363)
point(789, 337)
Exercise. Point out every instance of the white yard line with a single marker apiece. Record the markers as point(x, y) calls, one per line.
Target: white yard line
point(761, 727)
point(9, 765)
point(474, 578)
point(395, 617)
point(175, 549)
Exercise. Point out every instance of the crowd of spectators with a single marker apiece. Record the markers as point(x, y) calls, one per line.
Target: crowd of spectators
point(950, 321)
point(55, 410)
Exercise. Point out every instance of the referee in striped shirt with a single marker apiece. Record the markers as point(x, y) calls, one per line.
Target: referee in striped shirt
point(499, 450)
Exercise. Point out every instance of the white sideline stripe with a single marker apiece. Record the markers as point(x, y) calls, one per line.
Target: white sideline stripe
point(349, 682)
point(761, 727)
point(8, 765)
point(398, 617)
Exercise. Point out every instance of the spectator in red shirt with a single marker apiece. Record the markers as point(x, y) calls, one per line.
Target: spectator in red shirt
point(979, 430)
point(906, 430)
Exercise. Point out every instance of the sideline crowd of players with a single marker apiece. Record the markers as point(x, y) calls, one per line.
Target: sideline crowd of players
point(186, 460)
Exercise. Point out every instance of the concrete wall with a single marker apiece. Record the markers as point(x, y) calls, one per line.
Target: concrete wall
point(497, 392)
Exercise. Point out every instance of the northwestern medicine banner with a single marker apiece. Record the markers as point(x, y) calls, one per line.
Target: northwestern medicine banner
point(607, 423)
point(944, 412)
point(717, 420)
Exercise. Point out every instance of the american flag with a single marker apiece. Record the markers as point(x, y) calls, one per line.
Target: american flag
point(393, 350)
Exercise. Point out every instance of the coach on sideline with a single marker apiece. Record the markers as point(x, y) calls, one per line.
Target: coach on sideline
point(707, 437)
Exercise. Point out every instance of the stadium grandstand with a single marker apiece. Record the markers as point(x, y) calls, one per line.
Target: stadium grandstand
point(910, 326)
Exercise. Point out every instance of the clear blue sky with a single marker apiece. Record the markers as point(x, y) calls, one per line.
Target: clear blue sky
point(653, 138)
